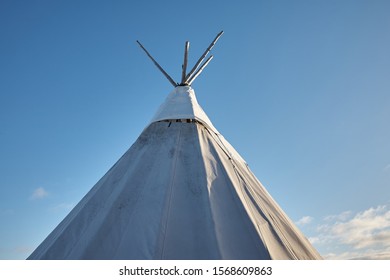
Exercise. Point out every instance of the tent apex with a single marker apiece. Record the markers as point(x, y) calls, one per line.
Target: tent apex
point(186, 78)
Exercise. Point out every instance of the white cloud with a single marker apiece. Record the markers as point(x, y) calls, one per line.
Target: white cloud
point(39, 193)
point(314, 240)
point(365, 235)
point(387, 168)
point(367, 228)
point(339, 217)
point(304, 220)
point(378, 254)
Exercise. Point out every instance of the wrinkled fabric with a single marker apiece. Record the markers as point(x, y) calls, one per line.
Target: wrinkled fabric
point(180, 192)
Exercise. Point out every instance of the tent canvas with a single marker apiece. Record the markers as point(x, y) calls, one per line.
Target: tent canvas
point(181, 191)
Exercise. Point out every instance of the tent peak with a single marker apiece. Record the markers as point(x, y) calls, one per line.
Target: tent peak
point(181, 103)
point(186, 78)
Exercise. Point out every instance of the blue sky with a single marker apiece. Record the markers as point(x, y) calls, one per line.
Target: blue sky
point(300, 88)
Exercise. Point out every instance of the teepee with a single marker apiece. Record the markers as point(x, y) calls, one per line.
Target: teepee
point(181, 191)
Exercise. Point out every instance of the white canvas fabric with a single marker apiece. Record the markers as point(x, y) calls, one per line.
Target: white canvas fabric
point(181, 103)
point(180, 192)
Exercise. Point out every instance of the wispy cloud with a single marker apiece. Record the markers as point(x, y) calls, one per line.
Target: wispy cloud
point(355, 255)
point(377, 254)
point(365, 235)
point(387, 168)
point(339, 217)
point(304, 220)
point(39, 193)
point(367, 228)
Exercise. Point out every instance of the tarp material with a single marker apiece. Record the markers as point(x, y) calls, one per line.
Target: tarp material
point(180, 192)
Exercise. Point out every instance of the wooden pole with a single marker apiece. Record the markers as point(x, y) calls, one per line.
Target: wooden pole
point(188, 77)
point(197, 73)
point(158, 65)
point(183, 74)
